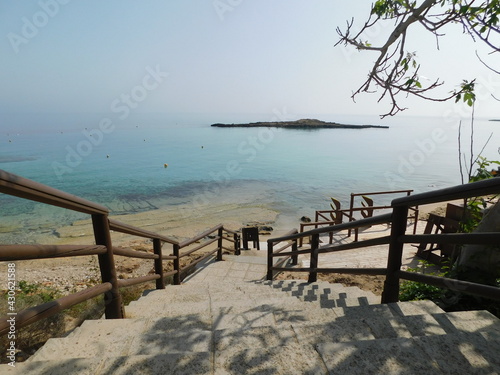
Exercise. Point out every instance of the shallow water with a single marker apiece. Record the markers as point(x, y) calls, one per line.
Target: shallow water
point(291, 171)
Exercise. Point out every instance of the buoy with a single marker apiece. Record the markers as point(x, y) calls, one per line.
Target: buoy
point(165, 165)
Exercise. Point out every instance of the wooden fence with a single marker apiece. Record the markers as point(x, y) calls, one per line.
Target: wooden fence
point(396, 240)
point(104, 249)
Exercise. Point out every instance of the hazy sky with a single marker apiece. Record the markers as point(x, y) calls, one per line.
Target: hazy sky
point(206, 56)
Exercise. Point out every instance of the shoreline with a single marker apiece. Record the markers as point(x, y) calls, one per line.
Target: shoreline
point(178, 221)
point(75, 273)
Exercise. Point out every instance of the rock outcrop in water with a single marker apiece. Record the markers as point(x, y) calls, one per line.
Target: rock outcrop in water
point(307, 124)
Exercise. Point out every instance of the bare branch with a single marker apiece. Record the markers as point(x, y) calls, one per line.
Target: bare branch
point(395, 71)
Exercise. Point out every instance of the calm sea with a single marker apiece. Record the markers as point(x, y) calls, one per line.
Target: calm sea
point(152, 161)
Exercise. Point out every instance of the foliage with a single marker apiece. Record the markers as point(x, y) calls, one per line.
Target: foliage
point(475, 206)
point(30, 338)
point(396, 70)
point(447, 299)
point(36, 293)
point(414, 291)
point(483, 171)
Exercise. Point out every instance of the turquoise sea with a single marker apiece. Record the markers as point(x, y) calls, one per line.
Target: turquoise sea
point(122, 164)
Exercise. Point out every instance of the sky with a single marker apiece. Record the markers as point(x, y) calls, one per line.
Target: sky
point(254, 57)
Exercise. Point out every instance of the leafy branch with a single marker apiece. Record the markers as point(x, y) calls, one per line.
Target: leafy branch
point(396, 71)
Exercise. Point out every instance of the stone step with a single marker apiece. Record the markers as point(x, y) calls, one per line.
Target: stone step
point(238, 353)
point(169, 363)
point(287, 326)
point(95, 338)
point(184, 324)
point(459, 353)
point(327, 295)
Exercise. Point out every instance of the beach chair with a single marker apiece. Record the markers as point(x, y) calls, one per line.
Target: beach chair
point(450, 223)
point(336, 214)
point(368, 202)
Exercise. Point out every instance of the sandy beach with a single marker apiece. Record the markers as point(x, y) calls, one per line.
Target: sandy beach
point(178, 222)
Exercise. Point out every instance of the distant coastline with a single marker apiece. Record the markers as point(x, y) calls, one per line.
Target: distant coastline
point(299, 124)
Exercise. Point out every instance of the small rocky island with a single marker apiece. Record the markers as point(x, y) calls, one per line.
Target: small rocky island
point(299, 124)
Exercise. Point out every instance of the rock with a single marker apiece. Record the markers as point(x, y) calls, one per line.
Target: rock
point(299, 124)
point(127, 265)
point(305, 219)
point(265, 228)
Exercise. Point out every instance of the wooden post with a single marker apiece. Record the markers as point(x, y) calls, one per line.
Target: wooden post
point(160, 283)
point(177, 276)
point(237, 250)
point(394, 260)
point(113, 307)
point(313, 275)
point(269, 260)
point(351, 205)
point(295, 258)
point(219, 244)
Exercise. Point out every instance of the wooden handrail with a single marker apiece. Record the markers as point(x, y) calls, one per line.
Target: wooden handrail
point(25, 252)
point(407, 191)
point(199, 236)
point(36, 313)
point(137, 280)
point(475, 189)
point(380, 219)
point(487, 291)
point(355, 245)
point(102, 225)
point(130, 253)
point(275, 254)
point(28, 189)
point(211, 241)
point(398, 218)
point(129, 229)
point(483, 238)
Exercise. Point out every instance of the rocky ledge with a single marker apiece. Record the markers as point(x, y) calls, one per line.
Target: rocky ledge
point(299, 124)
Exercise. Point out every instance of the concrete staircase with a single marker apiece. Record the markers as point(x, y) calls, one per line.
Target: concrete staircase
point(241, 326)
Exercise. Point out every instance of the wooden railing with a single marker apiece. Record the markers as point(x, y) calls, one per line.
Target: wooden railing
point(103, 248)
point(396, 240)
point(324, 217)
point(315, 249)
